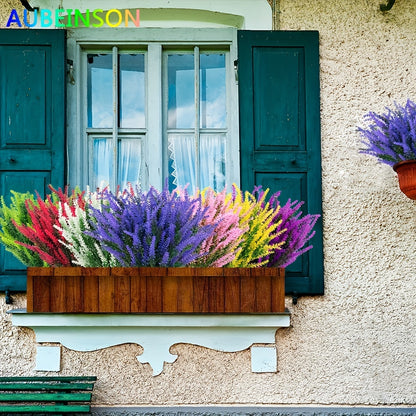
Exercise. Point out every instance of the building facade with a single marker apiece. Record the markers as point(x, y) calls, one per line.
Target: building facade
point(354, 344)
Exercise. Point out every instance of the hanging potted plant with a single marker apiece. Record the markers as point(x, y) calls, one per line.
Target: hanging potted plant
point(391, 138)
point(139, 252)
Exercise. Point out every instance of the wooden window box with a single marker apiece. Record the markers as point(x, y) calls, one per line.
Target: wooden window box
point(155, 290)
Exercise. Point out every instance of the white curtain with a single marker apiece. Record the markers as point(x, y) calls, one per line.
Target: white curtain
point(182, 155)
point(212, 161)
point(129, 163)
point(102, 162)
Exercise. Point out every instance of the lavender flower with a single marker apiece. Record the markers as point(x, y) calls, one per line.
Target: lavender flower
point(293, 229)
point(151, 229)
point(391, 136)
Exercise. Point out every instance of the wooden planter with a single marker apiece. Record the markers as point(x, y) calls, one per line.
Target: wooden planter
point(155, 290)
point(406, 172)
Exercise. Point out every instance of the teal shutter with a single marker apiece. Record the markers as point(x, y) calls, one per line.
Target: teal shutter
point(280, 144)
point(32, 122)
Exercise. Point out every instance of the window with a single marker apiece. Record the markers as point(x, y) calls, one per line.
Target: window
point(154, 110)
point(196, 118)
point(115, 127)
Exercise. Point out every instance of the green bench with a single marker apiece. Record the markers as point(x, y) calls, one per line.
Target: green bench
point(45, 394)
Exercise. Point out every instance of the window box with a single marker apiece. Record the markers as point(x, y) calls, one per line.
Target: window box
point(155, 290)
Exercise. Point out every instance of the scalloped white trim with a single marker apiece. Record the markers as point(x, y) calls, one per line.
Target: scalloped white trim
point(156, 333)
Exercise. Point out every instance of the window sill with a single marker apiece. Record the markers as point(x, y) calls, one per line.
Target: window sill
point(156, 333)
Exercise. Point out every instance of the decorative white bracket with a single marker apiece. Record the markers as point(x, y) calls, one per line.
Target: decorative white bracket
point(156, 333)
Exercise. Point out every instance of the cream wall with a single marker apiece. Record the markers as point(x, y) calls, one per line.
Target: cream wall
point(6, 6)
point(356, 344)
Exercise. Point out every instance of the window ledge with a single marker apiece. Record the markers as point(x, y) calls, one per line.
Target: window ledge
point(156, 333)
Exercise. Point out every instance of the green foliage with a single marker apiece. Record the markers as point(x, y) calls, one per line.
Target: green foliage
point(17, 214)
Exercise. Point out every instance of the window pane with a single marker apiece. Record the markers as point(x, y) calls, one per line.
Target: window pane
point(181, 95)
point(102, 162)
point(212, 91)
point(182, 160)
point(212, 161)
point(132, 96)
point(100, 91)
point(129, 162)
point(182, 164)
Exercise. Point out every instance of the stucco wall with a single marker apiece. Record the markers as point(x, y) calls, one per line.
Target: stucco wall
point(6, 6)
point(356, 344)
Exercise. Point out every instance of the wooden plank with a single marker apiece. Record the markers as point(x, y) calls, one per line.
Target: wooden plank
point(137, 291)
point(201, 289)
point(46, 409)
point(41, 295)
point(278, 291)
point(153, 289)
point(90, 281)
point(58, 293)
point(209, 271)
point(216, 295)
point(186, 292)
point(106, 293)
point(247, 291)
point(122, 289)
point(45, 386)
point(263, 289)
point(232, 290)
point(170, 294)
point(45, 397)
point(202, 285)
point(72, 296)
point(186, 278)
point(48, 378)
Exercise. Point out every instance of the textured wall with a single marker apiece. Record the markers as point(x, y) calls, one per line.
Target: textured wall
point(356, 344)
point(6, 6)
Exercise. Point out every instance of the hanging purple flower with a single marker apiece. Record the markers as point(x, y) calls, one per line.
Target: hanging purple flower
point(391, 137)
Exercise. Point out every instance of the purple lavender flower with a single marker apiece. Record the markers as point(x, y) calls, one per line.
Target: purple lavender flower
point(294, 230)
point(391, 136)
point(155, 229)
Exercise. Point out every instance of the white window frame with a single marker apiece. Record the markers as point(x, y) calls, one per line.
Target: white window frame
point(153, 39)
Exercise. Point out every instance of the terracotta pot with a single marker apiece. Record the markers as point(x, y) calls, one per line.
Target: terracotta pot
point(155, 290)
point(406, 172)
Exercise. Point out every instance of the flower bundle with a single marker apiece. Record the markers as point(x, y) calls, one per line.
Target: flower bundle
point(28, 227)
point(391, 137)
point(74, 225)
point(256, 216)
point(150, 228)
point(11, 217)
point(223, 245)
point(153, 228)
point(292, 228)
